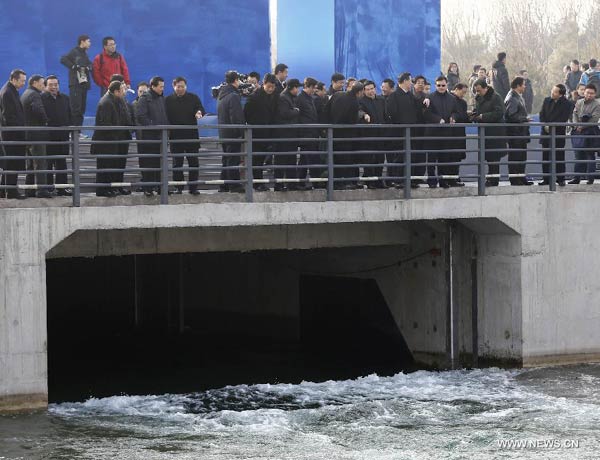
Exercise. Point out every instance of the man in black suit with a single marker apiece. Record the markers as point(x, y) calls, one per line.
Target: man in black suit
point(58, 110)
point(35, 115)
point(373, 106)
point(443, 109)
point(261, 109)
point(12, 114)
point(402, 108)
point(556, 109)
point(345, 111)
point(308, 115)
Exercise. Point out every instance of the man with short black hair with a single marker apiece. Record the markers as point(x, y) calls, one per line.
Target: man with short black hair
point(372, 111)
point(261, 109)
point(230, 112)
point(308, 115)
point(516, 113)
point(35, 115)
point(111, 112)
point(58, 110)
point(108, 63)
point(572, 79)
point(443, 109)
point(489, 109)
point(281, 73)
point(184, 108)
point(500, 80)
point(254, 78)
point(555, 109)
point(402, 107)
point(587, 110)
point(345, 110)
point(528, 94)
point(592, 76)
point(337, 83)
point(150, 110)
point(287, 114)
point(387, 87)
point(80, 66)
point(12, 114)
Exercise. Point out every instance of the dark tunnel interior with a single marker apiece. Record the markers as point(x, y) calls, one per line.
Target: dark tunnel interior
point(177, 323)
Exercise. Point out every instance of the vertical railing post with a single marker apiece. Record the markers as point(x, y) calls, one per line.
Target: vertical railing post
point(164, 167)
point(553, 159)
point(330, 170)
point(75, 166)
point(249, 169)
point(481, 162)
point(407, 163)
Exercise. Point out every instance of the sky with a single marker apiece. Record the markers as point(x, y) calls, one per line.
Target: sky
point(487, 12)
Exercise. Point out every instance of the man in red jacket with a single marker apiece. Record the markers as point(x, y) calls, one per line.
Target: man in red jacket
point(108, 63)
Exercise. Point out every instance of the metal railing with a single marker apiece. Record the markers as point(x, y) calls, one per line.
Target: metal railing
point(247, 157)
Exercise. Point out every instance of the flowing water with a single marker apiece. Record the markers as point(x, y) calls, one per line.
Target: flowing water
point(554, 412)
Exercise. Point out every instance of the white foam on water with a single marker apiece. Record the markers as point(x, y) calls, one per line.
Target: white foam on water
point(418, 415)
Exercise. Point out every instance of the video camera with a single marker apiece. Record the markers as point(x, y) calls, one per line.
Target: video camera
point(245, 89)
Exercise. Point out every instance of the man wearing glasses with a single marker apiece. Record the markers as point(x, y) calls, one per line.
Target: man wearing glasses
point(108, 63)
point(443, 109)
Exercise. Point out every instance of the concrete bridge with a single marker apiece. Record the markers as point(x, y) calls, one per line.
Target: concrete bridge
point(509, 277)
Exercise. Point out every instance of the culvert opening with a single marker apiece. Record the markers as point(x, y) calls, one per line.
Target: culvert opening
point(177, 323)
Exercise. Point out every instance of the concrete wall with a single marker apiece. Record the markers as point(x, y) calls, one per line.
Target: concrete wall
point(537, 259)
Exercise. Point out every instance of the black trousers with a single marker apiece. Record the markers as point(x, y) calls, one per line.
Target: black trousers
point(310, 159)
point(518, 154)
point(560, 159)
point(259, 155)
point(59, 164)
point(192, 161)
point(152, 162)
point(344, 159)
point(105, 177)
point(13, 165)
point(231, 161)
point(78, 101)
point(285, 159)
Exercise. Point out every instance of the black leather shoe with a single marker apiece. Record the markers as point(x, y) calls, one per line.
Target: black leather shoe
point(43, 194)
point(590, 181)
point(194, 192)
point(14, 195)
point(491, 183)
point(148, 193)
point(456, 184)
point(64, 192)
point(573, 182)
point(444, 184)
point(123, 191)
point(561, 183)
point(177, 191)
point(544, 182)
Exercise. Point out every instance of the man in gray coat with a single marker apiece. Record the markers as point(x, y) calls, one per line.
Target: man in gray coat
point(150, 110)
point(516, 112)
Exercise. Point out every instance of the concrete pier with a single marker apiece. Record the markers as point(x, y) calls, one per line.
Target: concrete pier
point(536, 255)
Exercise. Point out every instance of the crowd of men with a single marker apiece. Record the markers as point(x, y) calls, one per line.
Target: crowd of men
point(296, 155)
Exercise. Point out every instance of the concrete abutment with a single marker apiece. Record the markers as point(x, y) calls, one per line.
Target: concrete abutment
point(518, 257)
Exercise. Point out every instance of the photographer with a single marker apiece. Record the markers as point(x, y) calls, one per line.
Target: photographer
point(79, 65)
